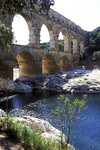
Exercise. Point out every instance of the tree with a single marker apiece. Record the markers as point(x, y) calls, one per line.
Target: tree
point(68, 112)
point(46, 45)
point(61, 45)
point(6, 37)
point(16, 6)
point(93, 43)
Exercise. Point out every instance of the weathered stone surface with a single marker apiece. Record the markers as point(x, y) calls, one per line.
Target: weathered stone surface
point(21, 87)
point(48, 131)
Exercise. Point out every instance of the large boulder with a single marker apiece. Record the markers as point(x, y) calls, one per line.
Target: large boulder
point(48, 131)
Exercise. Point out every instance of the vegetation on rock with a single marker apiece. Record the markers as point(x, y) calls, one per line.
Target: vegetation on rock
point(31, 138)
point(6, 37)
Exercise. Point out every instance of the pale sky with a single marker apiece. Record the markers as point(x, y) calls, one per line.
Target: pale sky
point(85, 13)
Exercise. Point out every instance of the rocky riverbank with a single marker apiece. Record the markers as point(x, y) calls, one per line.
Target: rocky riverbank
point(76, 81)
point(47, 130)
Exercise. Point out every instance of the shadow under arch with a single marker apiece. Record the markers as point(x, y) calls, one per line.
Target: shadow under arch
point(65, 64)
point(49, 65)
point(3, 70)
point(27, 65)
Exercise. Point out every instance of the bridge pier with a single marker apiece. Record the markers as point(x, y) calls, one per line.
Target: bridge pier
point(49, 65)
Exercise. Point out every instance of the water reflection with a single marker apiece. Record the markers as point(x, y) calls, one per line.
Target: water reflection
point(84, 135)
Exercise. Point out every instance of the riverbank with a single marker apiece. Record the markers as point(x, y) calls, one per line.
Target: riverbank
point(76, 81)
point(29, 133)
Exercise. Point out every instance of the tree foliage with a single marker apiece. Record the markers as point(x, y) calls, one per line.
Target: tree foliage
point(46, 45)
point(6, 37)
point(61, 45)
point(93, 42)
point(68, 112)
point(96, 56)
point(16, 6)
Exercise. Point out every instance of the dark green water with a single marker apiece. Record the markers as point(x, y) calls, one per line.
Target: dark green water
point(85, 135)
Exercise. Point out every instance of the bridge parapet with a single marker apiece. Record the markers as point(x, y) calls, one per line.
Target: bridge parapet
point(57, 18)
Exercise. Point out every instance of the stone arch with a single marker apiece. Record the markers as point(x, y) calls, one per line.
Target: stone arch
point(50, 32)
point(44, 37)
point(49, 65)
point(27, 65)
point(48, 26)
point(20, 27)
point(32, 27)
point(65, 64)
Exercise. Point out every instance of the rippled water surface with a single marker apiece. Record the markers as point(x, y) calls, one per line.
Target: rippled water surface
point(85, 135)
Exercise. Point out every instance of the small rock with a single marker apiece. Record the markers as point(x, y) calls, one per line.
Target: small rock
point(2, 113)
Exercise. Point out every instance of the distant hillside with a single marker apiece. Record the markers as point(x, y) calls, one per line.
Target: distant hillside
point(46, 45)
point(93, 46)
point(94, 40)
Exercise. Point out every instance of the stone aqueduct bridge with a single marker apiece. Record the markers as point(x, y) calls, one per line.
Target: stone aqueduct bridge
point(33, 60)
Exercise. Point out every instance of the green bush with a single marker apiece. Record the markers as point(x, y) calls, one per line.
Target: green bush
point(96, 56)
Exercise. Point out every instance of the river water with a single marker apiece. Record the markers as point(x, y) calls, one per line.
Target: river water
point(85, 134)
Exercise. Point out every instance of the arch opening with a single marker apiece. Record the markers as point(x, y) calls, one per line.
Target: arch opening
point(15, 72)
point(20, 30)
point(27, 65)
point(61, 42)
point(49, 65)
point(65, 64)
point(44, 38)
